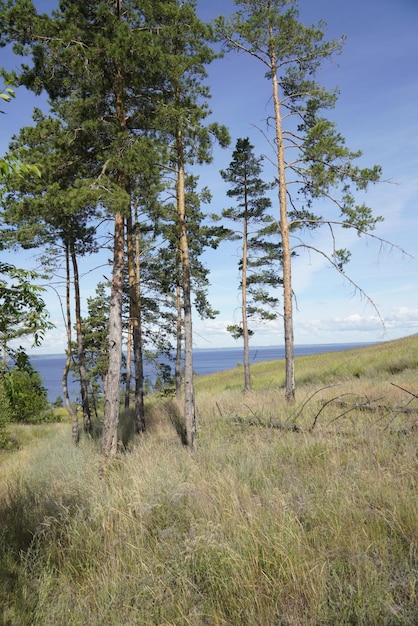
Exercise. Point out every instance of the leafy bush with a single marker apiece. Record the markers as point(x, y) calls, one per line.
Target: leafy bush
point(27, 396)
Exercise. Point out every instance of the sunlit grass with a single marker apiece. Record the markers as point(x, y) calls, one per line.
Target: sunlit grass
point(382, 360)
point(262, 525)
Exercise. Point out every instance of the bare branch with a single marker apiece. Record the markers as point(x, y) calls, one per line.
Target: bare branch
point(233, 43)
point(360, 231)
point(308, 400)
point(406, 390)
point(357, 287)
point(326, 404)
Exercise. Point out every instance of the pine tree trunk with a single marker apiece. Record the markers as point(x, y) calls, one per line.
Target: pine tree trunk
point(189, 400)
point(80, 347)
point(75, 430)
point(247, 373)
point(73, 414)
point(134, 269)
point(112, 389)
point(113, 378)
point(284, 231)
point(179, 343)
point(128, 363)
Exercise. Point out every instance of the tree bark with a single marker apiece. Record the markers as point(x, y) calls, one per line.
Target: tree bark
point(112, 388)
point(134, 270)
point(80, 347)
point(113, 378)
point(73, 414)
point(179, 341)
point(284, 231)
point(128, 363)
point(247, 373)
point(189, 400)
point(138, 352)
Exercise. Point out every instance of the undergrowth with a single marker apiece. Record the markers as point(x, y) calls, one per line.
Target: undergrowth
point(262, 525)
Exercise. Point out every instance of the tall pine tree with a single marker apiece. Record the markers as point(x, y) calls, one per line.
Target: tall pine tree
point(256, 229)
point(181, 114)
point(101, 65)
point(310, 153)
point(55, 213)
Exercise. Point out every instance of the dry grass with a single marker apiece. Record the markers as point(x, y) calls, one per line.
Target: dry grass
point(263, 525)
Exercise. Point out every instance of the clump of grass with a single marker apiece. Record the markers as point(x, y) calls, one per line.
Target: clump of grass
point(259, 526)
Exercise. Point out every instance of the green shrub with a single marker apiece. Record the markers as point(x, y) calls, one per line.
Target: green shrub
point(27, 396)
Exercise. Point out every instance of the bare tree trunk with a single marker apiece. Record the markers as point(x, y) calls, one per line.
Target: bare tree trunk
point(128, 363)
point(80, 347)
point(134, 270)
point(179, 342)
point(112, 388)
point(189, 400)
point(139, 376)
point(284, 231)
point(247, 373)
point(73, 414)
point(113, 378)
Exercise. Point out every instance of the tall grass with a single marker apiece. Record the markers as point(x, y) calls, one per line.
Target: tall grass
point(262, 525)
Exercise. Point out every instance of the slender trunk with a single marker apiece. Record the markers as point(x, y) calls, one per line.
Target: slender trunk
point(247, 373)
point(189, 401)
point(284, 231)
point(80, 347)
point(113, 377)
point(112, 388)
point(94, 405)
point(73, 414)
point(128, 362)
point(134, 270)
point(179, 341)
point(138, 353)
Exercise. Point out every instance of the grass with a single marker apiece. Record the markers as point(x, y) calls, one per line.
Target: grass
point(262, 525)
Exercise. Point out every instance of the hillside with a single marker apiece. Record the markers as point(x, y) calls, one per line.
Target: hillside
point(284, 516)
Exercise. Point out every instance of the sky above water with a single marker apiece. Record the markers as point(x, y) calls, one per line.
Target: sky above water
point(377, 75)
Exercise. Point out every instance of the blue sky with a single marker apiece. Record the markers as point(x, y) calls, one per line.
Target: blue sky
point(377, 75)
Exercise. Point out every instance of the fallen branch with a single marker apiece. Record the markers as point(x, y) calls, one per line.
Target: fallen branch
point(406, 390)
point(256, 421)
point(324, 404)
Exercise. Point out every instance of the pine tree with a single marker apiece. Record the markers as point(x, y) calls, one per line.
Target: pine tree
point(182, 113)
point(200, 236)
point(311, 154)
point(100, 64)
point(117, 74)
point(254, 227)
point(55, 213)
point(96, 339)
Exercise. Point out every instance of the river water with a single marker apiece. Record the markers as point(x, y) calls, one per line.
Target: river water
point(205, 361)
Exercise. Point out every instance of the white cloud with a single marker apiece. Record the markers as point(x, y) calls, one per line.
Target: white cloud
point(398, 322)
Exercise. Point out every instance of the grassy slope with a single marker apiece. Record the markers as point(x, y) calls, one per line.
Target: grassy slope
point(261, 526)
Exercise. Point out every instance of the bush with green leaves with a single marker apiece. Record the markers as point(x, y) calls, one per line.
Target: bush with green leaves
point(25, 393)
point(27, 396)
